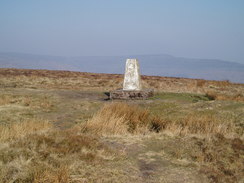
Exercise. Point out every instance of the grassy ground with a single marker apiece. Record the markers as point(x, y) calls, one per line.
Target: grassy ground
point(57, 126)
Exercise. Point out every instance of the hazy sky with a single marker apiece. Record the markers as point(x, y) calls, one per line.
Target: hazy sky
point(187, 28)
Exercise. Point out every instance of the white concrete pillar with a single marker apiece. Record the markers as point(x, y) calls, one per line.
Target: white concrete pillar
point(132, 78)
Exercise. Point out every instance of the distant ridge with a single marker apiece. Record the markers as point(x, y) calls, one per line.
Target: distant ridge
point(161, 65)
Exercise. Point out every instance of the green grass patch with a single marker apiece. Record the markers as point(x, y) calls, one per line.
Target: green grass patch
point(233, 106)
point(185, 97)
point(164, 108)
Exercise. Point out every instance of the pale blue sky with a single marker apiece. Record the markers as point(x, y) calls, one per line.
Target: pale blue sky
point(187, 28)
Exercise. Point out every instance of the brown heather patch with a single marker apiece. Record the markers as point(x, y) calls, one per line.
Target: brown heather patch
point(223, 83)
point(201, 83)
point(239, 97)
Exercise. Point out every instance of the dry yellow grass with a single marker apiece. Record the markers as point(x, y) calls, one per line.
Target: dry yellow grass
point(122, 118)
point(59, 175)
point(57, 157)
point(17, 130)
point(219, 158)
point(206, 123)
point(197, 123)
point(5, 99)
point(118, 118)
point(219, 96)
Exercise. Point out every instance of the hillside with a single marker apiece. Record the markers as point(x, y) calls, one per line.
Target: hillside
point(84, 81)
point(159, 65)
point(59, 126)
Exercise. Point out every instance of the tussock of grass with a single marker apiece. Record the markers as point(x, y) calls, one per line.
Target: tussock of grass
point(59, 175)
point(118, 118)
point(205, 123)
point(17, 130)
point(196, 123)
point(122, 118)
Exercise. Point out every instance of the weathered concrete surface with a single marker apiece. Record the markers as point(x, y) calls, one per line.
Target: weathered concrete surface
point(132, 78)
point(136, 95)
point(132, 84)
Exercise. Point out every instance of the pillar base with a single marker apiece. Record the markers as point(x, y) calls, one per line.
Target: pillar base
point(131, 95)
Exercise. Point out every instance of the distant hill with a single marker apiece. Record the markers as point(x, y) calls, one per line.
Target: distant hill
point(161, 65)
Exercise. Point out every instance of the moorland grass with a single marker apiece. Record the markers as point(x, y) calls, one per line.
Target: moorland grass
point(56, 156)
point(17, 130)
point(201, 123)
point(123, 118)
